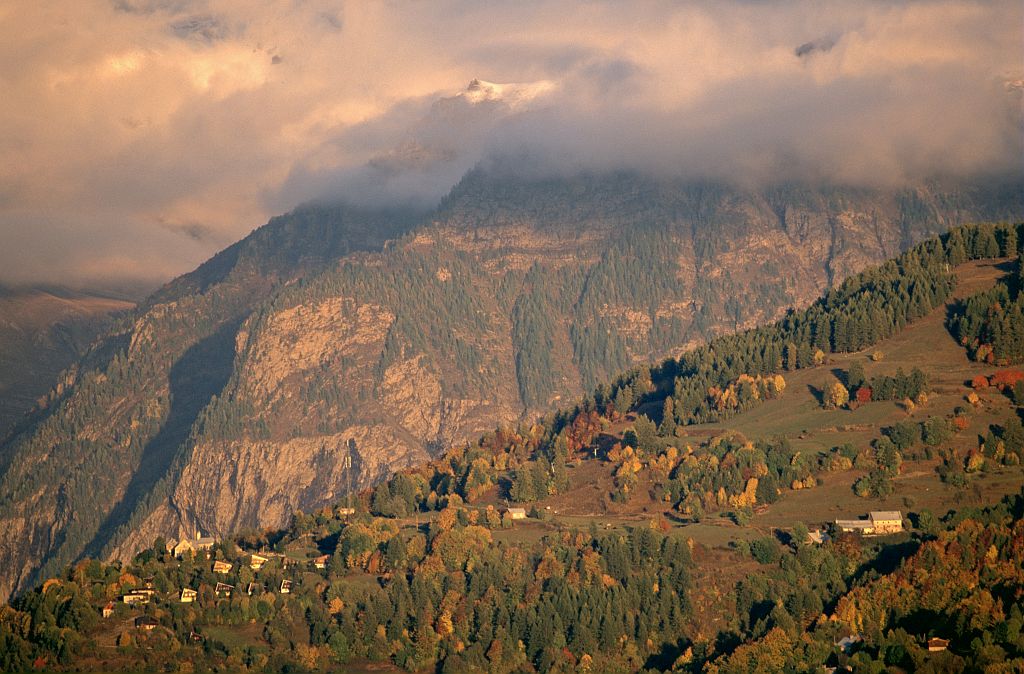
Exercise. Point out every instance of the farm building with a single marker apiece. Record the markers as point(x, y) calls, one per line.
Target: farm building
point(516, 513)
point(878, 522)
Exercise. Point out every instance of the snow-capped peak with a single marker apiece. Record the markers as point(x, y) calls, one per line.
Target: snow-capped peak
point(513, 93)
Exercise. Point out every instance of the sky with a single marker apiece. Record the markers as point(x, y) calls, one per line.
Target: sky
point(138, 137)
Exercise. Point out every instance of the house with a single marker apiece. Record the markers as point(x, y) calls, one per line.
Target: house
point(847, 643)
point(188, 595)
point(321, 561)
point(221, 567)
point(878, 522)
point(223, 590)
point(286, 586)
point(817, 537)
point(256, 562)
point(345, 512)
point(107, 610)
point(145, 622)
point(135, 597)
point(937, 645)
point(516, 513)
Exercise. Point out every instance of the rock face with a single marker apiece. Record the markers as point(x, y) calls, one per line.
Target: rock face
point(332, 347)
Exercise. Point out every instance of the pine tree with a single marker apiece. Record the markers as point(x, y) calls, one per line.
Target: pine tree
point(668, 418)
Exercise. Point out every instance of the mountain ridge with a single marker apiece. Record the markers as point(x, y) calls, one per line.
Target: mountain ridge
point(539, 289)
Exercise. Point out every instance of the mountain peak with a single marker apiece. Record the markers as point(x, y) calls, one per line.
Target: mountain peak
point(512, 93)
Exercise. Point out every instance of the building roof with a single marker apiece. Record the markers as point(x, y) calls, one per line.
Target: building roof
point(854, 524)
point(886, 515)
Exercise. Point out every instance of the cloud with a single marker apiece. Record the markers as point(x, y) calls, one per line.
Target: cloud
point(213, 115)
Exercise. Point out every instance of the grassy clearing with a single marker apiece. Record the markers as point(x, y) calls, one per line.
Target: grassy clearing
point(798, 416)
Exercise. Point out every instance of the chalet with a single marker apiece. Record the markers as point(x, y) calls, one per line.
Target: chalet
point(256, 562)
point(516, 513)
point(146, 622)
point(223, 590)
point(135, 597)
point(345, 512)
point(253, 588)
point(286, 586)
point(937, 645)
point(188, 595)
point(107, 610)
point(877, 523)
point(222, 567)
point(321, 561)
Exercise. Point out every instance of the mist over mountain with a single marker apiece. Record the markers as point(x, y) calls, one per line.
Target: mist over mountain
point(190, 120)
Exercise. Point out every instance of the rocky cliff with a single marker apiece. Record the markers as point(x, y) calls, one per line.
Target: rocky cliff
point(332, 347)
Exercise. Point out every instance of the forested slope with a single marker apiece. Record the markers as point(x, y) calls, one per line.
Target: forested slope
point(311, 359)
point(428, 573)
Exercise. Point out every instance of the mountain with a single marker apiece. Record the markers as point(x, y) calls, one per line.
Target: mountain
point(335, 345)
point(43, 331)
point(679, 546)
